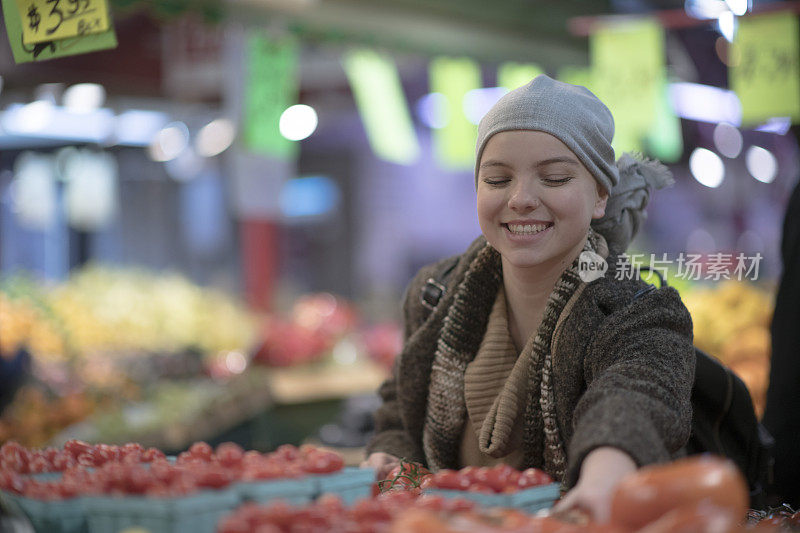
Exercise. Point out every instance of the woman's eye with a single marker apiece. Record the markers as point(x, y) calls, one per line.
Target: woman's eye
point(495, 182)
point(553, 181)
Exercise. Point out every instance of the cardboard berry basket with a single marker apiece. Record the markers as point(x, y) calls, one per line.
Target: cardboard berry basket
point(350, 484)
point(293, 491)
point(195, 513)
point(59, 516)
point(528, 500)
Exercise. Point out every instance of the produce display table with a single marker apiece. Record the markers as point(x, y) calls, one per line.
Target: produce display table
point(260, 408)
point(308, 383)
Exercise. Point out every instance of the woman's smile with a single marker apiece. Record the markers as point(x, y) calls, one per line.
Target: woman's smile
point(527, 233)
point(535, 199)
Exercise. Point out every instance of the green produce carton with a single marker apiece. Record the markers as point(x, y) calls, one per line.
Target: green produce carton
point(58, 516)
point(196, 513)
point(293, 491)
point(528, 500)
point(350, 484)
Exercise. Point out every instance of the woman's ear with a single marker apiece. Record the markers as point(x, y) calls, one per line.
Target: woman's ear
point(600, 204)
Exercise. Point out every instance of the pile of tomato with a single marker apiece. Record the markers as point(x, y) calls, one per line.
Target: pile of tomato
point(488, 480)
point(328, 513)
point(132, 470)
point(499, 479)
point(393, 511)
point(699, 494)
point(16, 458)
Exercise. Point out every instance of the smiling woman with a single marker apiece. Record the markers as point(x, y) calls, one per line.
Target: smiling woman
point(536, 201)
point(525, 361)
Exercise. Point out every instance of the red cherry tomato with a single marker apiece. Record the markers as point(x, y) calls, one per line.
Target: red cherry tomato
point(87, 459)
point(498, 477)
point(214, 477)
point(322, 462)
point(201, 450)
point(450, 480)
point(77, 447)
point(229, 454)
point(40, 464)
point(152, 454)
point(287, 452)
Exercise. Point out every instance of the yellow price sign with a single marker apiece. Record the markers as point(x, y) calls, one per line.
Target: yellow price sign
point(51, 20)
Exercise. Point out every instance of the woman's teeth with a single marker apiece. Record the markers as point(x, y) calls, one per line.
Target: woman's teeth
point(527, 229)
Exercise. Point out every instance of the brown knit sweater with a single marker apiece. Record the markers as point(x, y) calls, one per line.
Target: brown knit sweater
point(495, 387)
point(622, 371)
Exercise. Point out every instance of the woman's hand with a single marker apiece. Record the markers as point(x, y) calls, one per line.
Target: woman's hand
point(382, 463)
point(601, 471)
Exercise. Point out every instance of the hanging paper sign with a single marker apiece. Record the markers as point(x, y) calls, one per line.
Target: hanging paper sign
point(512, 75)
point(51, 20)
point(665, 139)
point(455, 143)
point(766, 71)
point(576, 76)
point(628, 76)
point(382, 105)
point(271, 88)
point(51, 48)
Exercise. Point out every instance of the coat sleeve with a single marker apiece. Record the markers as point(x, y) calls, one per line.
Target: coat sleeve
point(639, 371)
point(390, 433)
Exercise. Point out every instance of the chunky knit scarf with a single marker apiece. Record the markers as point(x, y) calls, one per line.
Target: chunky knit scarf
point(460, 337)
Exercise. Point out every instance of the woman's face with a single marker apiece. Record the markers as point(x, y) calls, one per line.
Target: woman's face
point(536, 200)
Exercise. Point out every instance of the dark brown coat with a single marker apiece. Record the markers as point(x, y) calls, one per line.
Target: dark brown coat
point(622, 371)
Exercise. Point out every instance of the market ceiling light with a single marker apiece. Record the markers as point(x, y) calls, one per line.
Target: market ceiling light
point(235, 362)
point(215, 137)
point(137, 127)
point(84, 97)
point(478, 102)
point(706, 167)
point(728, 140)
point(432, 110)
point(298, 122)
point(739, 7)
point(30, 118)
point(705, 9)
point(779, 125)
point(705, 103)
point(761, 164)
point(169, 142)
point(727, 24)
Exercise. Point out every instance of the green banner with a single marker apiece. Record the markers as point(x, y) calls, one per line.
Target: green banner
point(576, 76)
point(665, 139)
point(766, 75)
point(382, 105)
point(25, 53)
point(512, 75)
point(271, 88)
point(628, 75)
point(455, 143)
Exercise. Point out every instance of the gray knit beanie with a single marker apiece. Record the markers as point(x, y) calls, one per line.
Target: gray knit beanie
point(579, 119)
point(568, 112)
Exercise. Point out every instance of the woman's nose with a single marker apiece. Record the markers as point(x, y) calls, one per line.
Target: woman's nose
point(524, 197)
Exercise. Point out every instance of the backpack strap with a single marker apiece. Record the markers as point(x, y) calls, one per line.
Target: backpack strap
point(436, 285)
